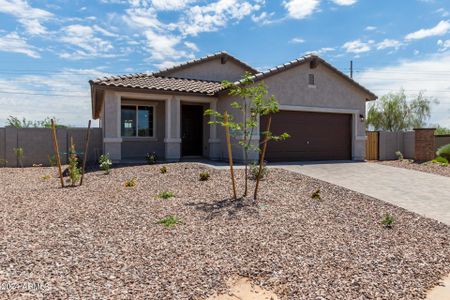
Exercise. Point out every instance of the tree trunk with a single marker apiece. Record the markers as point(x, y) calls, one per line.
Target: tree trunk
point(261, 159)
point(230, 155)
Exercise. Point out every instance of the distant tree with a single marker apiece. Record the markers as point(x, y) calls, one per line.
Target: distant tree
point(441, 130)
point(393, 112)
point(24, 123)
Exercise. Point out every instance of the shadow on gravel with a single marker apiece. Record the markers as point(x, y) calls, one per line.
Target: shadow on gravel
point(226, 207)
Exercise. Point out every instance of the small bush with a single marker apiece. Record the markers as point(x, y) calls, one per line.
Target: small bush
point(204, 176)
point(399, 155)
point(169, 221)
point(130, 182)
point(46, 177)
point(440, 160)
point(388, 220)
point(74, 171)
point(254, 169)
point(151, 158)
point(105, 163)
point(165, 195)
point(19, 152)
point(316, 195)
point(3, 162)
point(52, 161)
point(444, 152)
point(163, 170)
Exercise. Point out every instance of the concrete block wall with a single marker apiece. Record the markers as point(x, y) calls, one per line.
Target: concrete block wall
point(425, 144)
point(391, 142)
point(37, 144)
point(440, 140)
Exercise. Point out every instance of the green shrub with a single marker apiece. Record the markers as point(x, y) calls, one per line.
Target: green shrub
point(151, 158)
point(74, 171)
point(19, 152)
point(441, 160)
point(163, 170)
point(45, 177)
point(399, 155)
point(316, 195)
point(52, 160)
point(169, 221)
point(388, 220)
point(165, 195)
point(444, 151)
point(130, 182)
point(105, 163)
point(254, 169)
point(204, 176)
point(3, 162)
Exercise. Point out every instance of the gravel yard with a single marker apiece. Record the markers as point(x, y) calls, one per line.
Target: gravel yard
point(103, 240)
point(427, 167)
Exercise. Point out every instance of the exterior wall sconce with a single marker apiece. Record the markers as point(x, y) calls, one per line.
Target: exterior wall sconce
point(361, 117)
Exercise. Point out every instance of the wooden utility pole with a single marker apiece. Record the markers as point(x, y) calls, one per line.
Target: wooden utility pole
point(230, 155)
point(86, 148)
point(261, 159)
point(55, 146)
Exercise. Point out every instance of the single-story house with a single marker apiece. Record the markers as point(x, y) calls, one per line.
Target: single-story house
point(320, 107)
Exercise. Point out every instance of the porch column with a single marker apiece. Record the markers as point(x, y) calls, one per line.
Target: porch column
point(112, 139)
point(172, 138)
point(214, 142)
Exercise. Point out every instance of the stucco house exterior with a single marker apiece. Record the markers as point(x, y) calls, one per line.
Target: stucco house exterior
point(321, 108)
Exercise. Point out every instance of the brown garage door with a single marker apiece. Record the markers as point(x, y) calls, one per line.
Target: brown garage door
point(314, 136)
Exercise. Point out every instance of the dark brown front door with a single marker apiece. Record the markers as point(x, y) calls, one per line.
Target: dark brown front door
point(191, 130)
point(314, 136)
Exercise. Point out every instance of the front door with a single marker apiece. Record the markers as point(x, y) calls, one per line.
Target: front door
point(191, 130)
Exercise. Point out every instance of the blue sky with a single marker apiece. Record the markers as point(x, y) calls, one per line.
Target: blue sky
point(50, 49)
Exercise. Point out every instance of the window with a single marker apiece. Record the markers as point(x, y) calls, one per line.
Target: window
point(137, 121)
point(311, 79)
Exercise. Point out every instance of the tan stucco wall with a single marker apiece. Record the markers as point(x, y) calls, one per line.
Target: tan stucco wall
point(211, 70)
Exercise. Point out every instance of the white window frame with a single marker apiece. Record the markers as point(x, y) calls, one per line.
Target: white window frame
point(153, 106)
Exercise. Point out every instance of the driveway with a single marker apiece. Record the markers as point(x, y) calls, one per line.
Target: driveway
point(423, 193)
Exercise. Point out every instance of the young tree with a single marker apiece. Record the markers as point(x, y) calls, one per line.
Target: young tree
point(24, 123)
point(253, 102)
point(393, 112)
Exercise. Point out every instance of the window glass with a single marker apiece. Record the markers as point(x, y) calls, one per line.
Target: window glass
point(128, 123)
point(145, 121)
point(311, 79)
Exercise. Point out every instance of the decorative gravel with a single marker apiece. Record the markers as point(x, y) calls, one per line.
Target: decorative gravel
point(103, 240)
point(427, 167)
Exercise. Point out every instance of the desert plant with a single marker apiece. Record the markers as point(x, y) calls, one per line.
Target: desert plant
point(254, 170)
point(130, 182)
point(169, 221)
point(444, 151)
point(163, 170)
point(204, 176)
point(52, 160)
point(441, 160)
point(388, 220)
point(3, 162)
point(74, 171)
point(316, 195)
point(151, 158)
point(45, 177)
point(105, 163)
point(253, 103)
point(165, 195)
point(19, 152)
point(399, 155)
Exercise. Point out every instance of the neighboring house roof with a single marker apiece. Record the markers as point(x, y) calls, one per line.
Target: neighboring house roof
point(222, 54)
point(307, 59)
point(156, 83)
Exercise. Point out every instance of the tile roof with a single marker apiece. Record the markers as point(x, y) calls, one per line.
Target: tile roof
point(158, 83)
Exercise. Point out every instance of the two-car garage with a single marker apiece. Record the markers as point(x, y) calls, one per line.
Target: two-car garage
point(313, 136)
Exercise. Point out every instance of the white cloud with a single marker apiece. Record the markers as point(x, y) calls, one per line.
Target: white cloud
point(300, 9)
point(31, 18)
point(443, 12)
point(357, 46)
point(297, 40)
point(370, 28)
point(443, 45)
point(191, 46)
point(12, 42)
point(321, 51)
point(345, 2)
point(389, 43)
point(264, 18)
point(429, 74)
point(171, 4)
point(440, 29)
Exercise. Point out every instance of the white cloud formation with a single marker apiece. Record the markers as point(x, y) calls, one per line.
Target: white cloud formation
point(370, 28)
point(357, 46)
point(389, 43)
point(31, 18)
point(297, 40)
point(345, 2)
point(440, 29)
point(12, 42)
point(264, 18)
point(443, 45)
point(321, 51)
point(300, 9)
point(429, 74)
point(171, 4)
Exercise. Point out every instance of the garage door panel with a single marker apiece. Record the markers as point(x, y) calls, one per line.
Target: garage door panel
point(314, 136)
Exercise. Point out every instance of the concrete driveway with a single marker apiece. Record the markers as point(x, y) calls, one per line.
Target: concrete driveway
point(423, 193)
